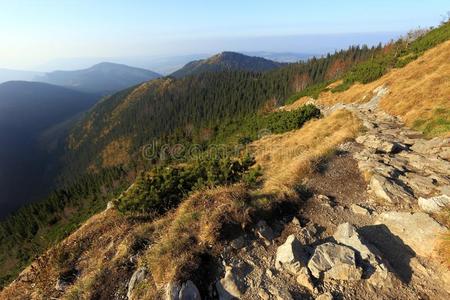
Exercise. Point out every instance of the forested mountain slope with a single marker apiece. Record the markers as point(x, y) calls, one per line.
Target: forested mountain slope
point(27, 109)
point(227, 61)
point(191, 109)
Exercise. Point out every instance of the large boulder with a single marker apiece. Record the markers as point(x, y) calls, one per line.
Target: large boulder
point(417, 230)
point(334, 262)
point(137, 277)
point(347, 234)
point(434, 204)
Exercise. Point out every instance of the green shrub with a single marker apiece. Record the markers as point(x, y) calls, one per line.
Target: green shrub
point(164, 187)
point(284, 121)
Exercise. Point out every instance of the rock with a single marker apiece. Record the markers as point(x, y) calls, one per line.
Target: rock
point(434, 146)
point(263, 294)
point(230, 286)
point(325, 296)
point(290, 256)
point(238, 243)
point(304, 279)
point(444, 153)
point(189, 291)
point(173, 291)
point(389, 191)
point(434, 204)
point(110, 205)
point(137, 277)
point(417, 230)
point(280, 293)
point(265, 232)
point(427, 163)
point(375, 142)
point(421, 184)
point(445, 190)
point(335, 262)
point(357, 209)
point(325, 200)
point(296, 222)
point(346, 234)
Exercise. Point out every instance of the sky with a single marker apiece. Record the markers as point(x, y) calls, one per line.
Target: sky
point(36, 32)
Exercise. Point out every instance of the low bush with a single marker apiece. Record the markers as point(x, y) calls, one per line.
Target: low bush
point(163, 188)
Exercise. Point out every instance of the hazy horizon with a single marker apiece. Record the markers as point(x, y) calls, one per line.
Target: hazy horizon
point(40, 34)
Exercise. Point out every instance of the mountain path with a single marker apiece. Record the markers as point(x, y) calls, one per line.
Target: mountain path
point(381, 196)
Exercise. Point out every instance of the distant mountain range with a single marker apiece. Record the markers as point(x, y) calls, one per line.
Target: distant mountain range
point(227, 61)
point(103, 78)
point(8, 75)
point(283, 57)
point(27, 109)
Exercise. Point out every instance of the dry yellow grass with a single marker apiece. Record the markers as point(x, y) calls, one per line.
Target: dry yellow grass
point(287, 158)
point(419, 92)
point(190, 228)
point(92, 248)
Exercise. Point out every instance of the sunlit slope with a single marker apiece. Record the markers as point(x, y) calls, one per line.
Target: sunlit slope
point(419, 93)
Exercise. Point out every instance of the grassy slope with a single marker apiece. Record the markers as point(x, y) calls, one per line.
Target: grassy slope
point(419, 92)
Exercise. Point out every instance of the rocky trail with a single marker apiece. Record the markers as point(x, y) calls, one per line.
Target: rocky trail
point(369, 231)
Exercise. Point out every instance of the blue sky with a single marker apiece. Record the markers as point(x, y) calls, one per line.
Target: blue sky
point(34, 32)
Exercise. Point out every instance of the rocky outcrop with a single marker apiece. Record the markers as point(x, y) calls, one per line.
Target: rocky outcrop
point(399, 164)
point(417, 230)
point(334, 262)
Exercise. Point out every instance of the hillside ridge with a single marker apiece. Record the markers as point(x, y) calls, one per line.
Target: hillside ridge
point(227, 60)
